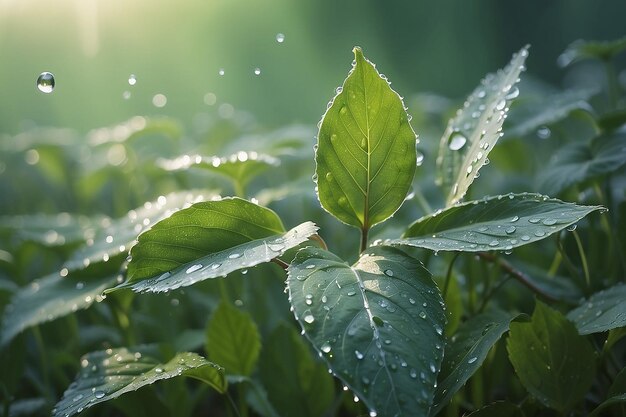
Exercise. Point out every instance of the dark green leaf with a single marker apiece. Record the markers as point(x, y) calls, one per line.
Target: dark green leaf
point(233, 340)
point(49, 298)
point(619, 384)
point(466, 352)
point(366, 157)
point(618, 399)
point(498, 409)
point(553, 362)
point(378, 324)
point(581, 49)
point(106, 375)
point(204, 228)
point(473, 133)
point(217, 264)
point(580, 162)
point(495, 223)
point(296, 384)
point(603, 311)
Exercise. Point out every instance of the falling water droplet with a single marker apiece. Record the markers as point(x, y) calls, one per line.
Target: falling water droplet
point(45, 82)
point(132, 80)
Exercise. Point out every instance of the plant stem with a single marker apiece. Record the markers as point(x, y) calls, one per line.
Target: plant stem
point(232, 404)
point(364, 233)
point(583, 258)
point(611, 83)
point(446, 283)
point(43, 358)
point(422, 201)
point(240, 190)
point(241, 400)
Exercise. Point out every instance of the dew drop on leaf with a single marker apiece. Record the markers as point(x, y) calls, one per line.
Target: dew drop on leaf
point(193, 268)
point(457, 141)
point(472, 360)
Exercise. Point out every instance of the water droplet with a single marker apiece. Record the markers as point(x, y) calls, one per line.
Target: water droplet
point(99, 394)
point(329, 176)
point(257, 71)
point(413, 373)
point(132, 80)
point(501, 104)
point(514, 93)
point(510, 230)
point(438, 329)
point(433, 369)
point(544, 132)
point(549, 222)
point(514, 219)
point(358, 355)
point(472, 360)
point(215, 266)
point(280, 37)
point(234, 255)
point(422, 314)
point(456, 141)
point(325, 347)
point(525, 238)
point(571, 228)
point(158, 370)
point(389, 272)
point(494, 243)
point(378, 321)
point(534, 220)
point(221, 71)
point(420, 159)
point(324, 299)
point(159, 100)
point(469, 169)
point(193, 268)
point(540, 233)
point(45, 82)
point(309, 318)
point(351, 293)
point(412, 301)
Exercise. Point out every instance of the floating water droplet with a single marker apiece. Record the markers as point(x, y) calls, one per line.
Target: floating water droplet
point(46, 82)
point(159, 100)
point(472, 360)
point(193, 268)
point(280, 37)
point(456, 141)
point(257, 71)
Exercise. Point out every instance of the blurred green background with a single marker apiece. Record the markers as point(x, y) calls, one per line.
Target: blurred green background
point(178, 48)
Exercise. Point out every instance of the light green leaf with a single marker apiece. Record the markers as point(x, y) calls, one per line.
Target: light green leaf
point(476, 128)
point(49, 298)
point(498, 409)
point(296, 384)
point(378, 324)
point(110, 238)
point(49, 230)
point(134, 128)
point(579, 162)
point(366, 154)
point(467, 351)
point(233, 340)
point(494, 223)
point(581, 49)
point(603, 311)
point(553, 362)
point(204, 228)
point(106, 375)
point(217, 264)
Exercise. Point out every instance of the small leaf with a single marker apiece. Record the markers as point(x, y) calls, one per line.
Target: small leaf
point(233, 340)
point(201, 229)
point(49, 298)
point(219, 264)
point(378, 324)
point(296, 384)
point(579, 162)
point(366, 157)
point(581, 49)
point(494, 223)
point(605, 310)
point(106, 375)
point(473, 133)
point(498, 409)
point(553, 362)
point(111, 238)
point(467, 352)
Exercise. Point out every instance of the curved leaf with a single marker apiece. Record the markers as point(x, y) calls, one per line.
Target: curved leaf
point(233, 340)
point(581, 49)
point(498, 409)
point(222, 263)
point(106, 375)
point(49, 230)
point(366, 154)
point(467, 351)
point(553, 362)
point(201, 229)
point(495, 223)
point(474, 131)
point(580, 162)
point(378, 324)
point(618, 399)
point(605, 310)
point(49, 298)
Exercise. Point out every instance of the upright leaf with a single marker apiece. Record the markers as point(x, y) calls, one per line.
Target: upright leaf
point(378, 324)
point(366, 149)
point(106, 375)
point(233, 340)
point(553, 362)
point(494, 223)
point(474, 131)
point(603, 311)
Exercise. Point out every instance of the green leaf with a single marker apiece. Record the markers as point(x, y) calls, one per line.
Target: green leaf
point(476, 128)
point(366, 154)
point(579, 162)
point(553, 362)
point(106, 375)
point(378, 324)
point(603, 311)
point(233, 340)
point(49, 230)
point(204, 228)
point(217, 264)
point(49, 298)
point(467, 351)
point(135, 128)
point(498, 409)
point(580, 50)
point(111, 238)
point(618, 386)
point(296, 384)
point(618, 399)
point(494, 223)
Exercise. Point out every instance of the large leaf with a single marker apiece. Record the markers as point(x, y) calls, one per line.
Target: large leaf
point(495, 223)
point(296, 384)
point(474, 131)
point(218, 264)
point(553, 362)
point(366, 154)
point(578, 162)
point(49, 230)
point(115, 237)
point(106, 375)
point(233, 340)
point(581, 49)
point(467, 351)
point(49, 298)
point(378, 324)
point(201, 229)
point(603, 311)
